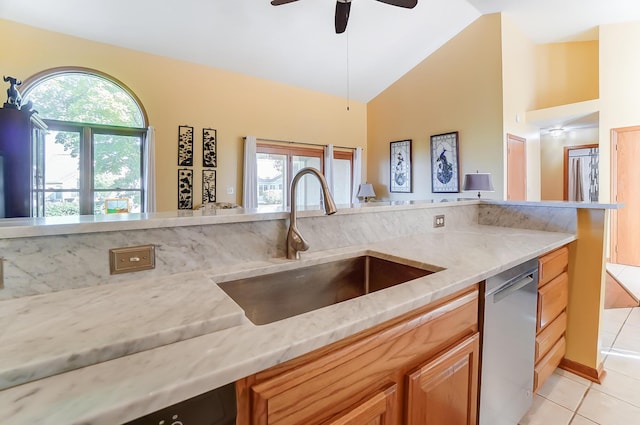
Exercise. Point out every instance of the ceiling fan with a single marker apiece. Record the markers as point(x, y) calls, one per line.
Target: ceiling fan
point(343, 7)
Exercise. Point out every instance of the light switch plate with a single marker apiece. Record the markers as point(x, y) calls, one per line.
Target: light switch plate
point(132, 259)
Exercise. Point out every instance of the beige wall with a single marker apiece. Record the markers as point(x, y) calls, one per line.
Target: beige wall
point(519, 96)
point(457, 88)
point(552, 159)
point(175, 92)
point(566, 73)
point(619, 89)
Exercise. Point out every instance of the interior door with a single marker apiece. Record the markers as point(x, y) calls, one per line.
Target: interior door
point(516, 168)
point(625, 188)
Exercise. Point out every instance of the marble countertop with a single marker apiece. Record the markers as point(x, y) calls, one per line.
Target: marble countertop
point(213, 352)
point(49, 226)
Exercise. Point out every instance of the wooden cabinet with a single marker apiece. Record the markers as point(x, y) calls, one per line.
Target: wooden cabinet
point(22, 161)
point(444, 390)
point(422, 365)
point(551, 323)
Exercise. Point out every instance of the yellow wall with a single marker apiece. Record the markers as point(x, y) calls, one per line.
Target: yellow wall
point(457, 88)
point(552, 159)
point(519, 96)
point(619, 89)
point(175, 92)
point(566, 73)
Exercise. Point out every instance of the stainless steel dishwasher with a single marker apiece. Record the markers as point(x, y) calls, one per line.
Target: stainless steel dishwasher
point(508, 346)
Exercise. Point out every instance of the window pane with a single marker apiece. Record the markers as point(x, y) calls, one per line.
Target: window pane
point(62, 160)
point(116, 162)
point(134, 198)
point(308, 189)
point(86, 98)
point(61, 203)
point(342, 181)
point(272, 179)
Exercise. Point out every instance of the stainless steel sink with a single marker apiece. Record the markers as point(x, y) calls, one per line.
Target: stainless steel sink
point(272, 297)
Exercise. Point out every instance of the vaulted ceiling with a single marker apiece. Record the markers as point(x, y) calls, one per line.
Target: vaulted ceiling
point(296, 43)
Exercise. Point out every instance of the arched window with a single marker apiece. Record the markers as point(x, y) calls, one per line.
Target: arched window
point(93, 151)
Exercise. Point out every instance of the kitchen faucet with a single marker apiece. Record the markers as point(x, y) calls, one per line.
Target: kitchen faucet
point(295, 241)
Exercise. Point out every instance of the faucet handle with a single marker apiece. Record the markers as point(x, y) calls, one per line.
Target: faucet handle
point(295, 244)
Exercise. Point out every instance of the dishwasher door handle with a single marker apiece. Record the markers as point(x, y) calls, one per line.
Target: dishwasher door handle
point(512, 287)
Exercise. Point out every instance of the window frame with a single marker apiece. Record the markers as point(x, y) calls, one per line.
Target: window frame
point(86, 189)
point(86, 153)
point(295, 150)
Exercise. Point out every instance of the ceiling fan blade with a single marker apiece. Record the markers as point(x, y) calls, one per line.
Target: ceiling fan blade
point(279, 2)
point(342, 15)
point(409, 4)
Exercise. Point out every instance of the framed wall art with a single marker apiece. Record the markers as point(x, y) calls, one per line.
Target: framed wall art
point(445, 167)
point(400, 166)
point(185, 189)
point(208, 186)
point(185, 146)
point(209, 141)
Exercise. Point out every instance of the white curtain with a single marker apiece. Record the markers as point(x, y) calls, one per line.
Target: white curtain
point(149, 164)
point(328, 166)
point(578, 179)
point(357, 175)
point(250, 174)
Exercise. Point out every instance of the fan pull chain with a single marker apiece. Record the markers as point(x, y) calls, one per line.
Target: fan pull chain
point(348, 93)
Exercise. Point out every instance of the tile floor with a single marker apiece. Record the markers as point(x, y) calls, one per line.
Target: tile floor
point(629, 276)
point(567, 399)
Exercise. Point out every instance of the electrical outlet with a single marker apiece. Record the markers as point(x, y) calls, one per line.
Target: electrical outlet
point(438, 220)
point(132, 259)
point(230, 190)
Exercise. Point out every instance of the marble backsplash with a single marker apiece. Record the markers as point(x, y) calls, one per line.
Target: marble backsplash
point(550, 219)
point(43, 264)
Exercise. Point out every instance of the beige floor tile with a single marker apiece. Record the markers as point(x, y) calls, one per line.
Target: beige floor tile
point(628, 338)
point(621, 386)
point(581, 420)
point(545, 412)
point(563, 391)
point(613, 319)
point(608, 410)
point(625, 362)
point(634, 317)
point(573, 377)
point(606, 340)
point(630, 278)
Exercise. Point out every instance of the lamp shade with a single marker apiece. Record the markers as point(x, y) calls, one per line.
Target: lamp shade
point(478, 181)
point(366, 191)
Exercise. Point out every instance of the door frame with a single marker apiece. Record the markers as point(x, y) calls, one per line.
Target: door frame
point(565, 190)
point(613, 221)
point(524, 141)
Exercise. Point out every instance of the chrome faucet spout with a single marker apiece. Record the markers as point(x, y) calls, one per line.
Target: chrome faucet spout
point(295, 241)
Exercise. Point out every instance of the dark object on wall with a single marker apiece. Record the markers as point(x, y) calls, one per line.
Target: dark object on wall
point(14, 100)
point(185, 189)
point(400, 166)
point(445, 167)
point(1, 188)
point(185, 146)
point(22, 147)
point(208, 186)
point(217, 407)
point(209, 142)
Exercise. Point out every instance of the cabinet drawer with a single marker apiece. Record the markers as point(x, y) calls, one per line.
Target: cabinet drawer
point(548, 364)
point(550, 335)
point(317, 387)
point(552, 264)
point(552, 300)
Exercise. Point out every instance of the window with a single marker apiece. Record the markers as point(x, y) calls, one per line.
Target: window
point(277, 164)
point(94, 147)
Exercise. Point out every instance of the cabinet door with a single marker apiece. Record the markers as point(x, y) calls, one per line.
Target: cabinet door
point(377, 410)
point(444, 390)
